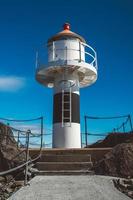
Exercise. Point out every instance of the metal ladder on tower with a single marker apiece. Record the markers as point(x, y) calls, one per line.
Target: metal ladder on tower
point(66, 107)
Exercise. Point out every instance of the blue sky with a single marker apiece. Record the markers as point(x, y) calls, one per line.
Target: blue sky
point(107, 25)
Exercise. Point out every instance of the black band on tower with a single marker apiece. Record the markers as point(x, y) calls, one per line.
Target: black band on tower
point(69, 108)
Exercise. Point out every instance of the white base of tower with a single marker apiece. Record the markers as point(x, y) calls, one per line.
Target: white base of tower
point(66, 137)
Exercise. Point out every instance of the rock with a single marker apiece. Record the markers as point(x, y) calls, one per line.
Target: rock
point(9, 190)
point(33, 170)
point(2, 179)
point(8, 187)
point(125, 186)
point(130, 187)
point(9, 178)
point(127, 181)
point(118, 162)
point(130, 194)
point(17, 184)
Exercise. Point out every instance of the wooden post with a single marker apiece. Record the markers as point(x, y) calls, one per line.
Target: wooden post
point(81, 141)
point(130, 121)
point(123, 125)
point(18, 140)
point(27, 156)
point(86, 140)
point(41, 132)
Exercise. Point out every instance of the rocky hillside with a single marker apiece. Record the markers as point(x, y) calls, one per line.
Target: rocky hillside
point(10, 155)
point(113, 139)
point(118, 162)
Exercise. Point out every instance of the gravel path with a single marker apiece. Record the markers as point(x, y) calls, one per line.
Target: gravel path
point(69, 188)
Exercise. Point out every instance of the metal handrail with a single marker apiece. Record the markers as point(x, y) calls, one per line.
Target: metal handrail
point(88, 47)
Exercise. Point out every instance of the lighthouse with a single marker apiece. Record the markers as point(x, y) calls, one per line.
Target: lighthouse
point(71, 65)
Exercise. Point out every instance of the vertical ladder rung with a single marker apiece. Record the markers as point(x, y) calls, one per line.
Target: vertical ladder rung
point(64, 103)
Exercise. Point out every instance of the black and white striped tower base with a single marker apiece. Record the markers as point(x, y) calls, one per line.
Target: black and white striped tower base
point(66, 112)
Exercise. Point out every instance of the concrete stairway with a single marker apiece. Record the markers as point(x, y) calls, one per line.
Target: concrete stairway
point(64, 162)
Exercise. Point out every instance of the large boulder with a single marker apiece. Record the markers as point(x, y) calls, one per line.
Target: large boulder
point(10, 155)
point(118, 162)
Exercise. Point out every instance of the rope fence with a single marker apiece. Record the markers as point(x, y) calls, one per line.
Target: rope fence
point(22, 139)
point(121, 128)
point(42, 138)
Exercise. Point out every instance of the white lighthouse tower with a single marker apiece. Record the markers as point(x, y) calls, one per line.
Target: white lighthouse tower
point(72, 64)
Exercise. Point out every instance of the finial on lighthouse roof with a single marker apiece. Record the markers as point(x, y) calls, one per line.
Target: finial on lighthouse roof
point(66, 34)
point(66, 26)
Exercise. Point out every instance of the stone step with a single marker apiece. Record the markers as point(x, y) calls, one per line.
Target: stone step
point(65, 151)
point(65, 158)
point(63, 166)
point(64, 172)
point(96, 153)
point(34, 152)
